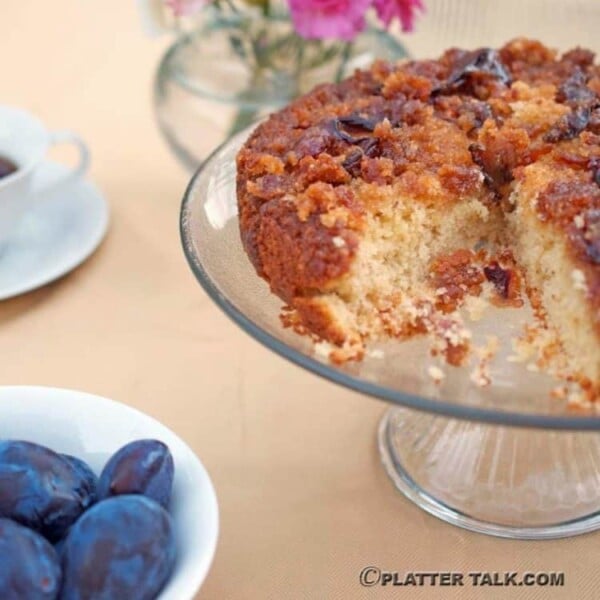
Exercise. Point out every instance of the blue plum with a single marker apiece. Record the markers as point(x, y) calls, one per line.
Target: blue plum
point(29, 566)
point(59, 546)
point(122, 547)
point(40, 489)
point(141, 467)
point(86, 474)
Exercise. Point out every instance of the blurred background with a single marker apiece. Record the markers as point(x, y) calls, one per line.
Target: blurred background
point(471, 23)
point(99, 55)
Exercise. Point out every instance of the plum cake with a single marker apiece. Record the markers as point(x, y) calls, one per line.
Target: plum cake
point(379, 206)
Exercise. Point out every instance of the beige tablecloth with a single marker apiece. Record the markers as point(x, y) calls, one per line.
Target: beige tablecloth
point(304, 501)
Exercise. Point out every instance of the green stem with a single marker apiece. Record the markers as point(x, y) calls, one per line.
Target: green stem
point(299, 65)
point(346, 52)
point(232, 6)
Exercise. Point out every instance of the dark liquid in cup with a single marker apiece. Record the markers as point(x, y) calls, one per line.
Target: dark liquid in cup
point(7, 167)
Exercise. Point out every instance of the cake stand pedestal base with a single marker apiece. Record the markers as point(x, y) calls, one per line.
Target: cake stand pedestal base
point(503, 481)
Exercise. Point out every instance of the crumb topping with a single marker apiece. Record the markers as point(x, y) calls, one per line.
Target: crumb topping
point(436, 129)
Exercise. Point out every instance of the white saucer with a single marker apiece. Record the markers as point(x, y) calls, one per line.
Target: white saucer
point(55, 237)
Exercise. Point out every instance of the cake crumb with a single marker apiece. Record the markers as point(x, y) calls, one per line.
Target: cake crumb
point(475, 307)
point(578, 278)
point(451, 338)
point(323, 349)
point(352, 349)
point(436, 374)
point(559, 392)
point(481, 375)
point(524, 347)
point(490, 349)
point(576, 400)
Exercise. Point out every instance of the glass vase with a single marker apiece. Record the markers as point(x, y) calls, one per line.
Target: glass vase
point(233, 69)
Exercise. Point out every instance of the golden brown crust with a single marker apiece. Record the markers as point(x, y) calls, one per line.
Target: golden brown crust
point(465, 125)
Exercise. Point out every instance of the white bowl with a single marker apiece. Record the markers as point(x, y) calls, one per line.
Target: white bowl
point(93, 428)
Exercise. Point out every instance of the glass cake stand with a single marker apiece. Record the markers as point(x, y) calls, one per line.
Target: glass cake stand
point(506, 460)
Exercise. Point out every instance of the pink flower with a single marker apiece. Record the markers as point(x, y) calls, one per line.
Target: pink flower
point(325, 19)
point(405, 10)
point(185, 8)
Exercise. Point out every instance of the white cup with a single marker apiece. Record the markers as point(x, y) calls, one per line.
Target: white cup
point(25, 141)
